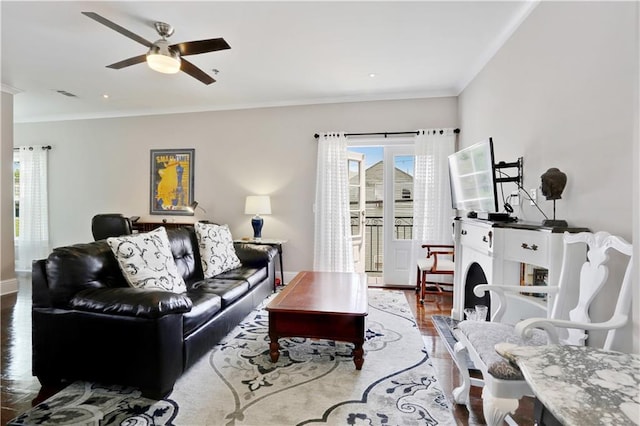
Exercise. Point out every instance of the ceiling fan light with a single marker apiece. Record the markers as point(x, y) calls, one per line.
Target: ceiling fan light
point(162, 59)
point(163, 64)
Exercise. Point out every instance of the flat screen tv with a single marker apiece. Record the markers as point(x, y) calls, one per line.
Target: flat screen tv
point(472, 178)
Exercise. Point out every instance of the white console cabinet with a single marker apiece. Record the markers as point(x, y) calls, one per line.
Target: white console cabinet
point(493, 252)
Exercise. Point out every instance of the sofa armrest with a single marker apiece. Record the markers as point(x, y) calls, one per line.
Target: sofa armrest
point(127, 301)
point(255, 255)
point(40, 294)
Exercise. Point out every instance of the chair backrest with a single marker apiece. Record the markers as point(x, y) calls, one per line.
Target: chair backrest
point(110, 225)
point(441, 254)
point(593, 276)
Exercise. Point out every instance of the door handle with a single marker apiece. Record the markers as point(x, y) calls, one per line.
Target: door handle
point(488, 238)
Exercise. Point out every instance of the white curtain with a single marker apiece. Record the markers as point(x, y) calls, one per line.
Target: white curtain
point(432, 211)
point(333, 250)
point(33, 238)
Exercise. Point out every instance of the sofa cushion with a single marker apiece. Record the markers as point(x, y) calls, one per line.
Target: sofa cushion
point(205, 306)
point(184, 247)
point(485, 335)
point(228, 290)
point(147, 262)
point(135, 302)
point(252, 275)
point(216, 249)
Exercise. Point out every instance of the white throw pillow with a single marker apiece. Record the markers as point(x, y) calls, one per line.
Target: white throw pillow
point(216, 249)
point(146, 261)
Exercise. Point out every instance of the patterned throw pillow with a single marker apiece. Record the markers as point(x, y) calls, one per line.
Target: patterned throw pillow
point(216, 249)
point(146, 261)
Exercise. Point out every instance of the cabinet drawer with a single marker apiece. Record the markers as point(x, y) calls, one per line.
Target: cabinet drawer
point(477, 237)
point(527, 247)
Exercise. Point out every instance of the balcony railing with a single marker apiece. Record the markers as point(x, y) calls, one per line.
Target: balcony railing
point(374, 238)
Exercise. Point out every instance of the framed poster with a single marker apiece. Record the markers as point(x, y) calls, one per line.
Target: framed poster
point(172, 181)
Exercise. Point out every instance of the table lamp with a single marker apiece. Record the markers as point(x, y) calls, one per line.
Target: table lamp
point(192, 207)
point(257, 205)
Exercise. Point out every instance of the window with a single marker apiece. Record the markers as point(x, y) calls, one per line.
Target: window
point(403, 204)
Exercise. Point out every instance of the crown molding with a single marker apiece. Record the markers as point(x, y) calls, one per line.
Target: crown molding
point(10, 89)
point(505, 35)
point(439, 93)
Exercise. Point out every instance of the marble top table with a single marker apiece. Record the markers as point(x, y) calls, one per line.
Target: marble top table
point(581, 385)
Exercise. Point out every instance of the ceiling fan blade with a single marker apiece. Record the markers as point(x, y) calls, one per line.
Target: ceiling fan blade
point(128, 62)
point(125, 32)
point(201, 46)
point(195, 72)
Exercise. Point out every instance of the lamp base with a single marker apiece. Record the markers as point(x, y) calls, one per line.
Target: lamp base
point(256, 223)
point(552, 223)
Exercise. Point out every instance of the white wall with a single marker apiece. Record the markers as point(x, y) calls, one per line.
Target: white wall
point(8, 282)
point(636, 192)
point(103, 165)
point(562, 93)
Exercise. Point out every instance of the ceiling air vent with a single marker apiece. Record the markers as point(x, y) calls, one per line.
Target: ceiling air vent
point(65, 93)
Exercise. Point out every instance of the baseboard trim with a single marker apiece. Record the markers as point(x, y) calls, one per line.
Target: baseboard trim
point(288, 276)
point(9, 286)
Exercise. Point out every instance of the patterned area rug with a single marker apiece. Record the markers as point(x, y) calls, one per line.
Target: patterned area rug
point(313, 382)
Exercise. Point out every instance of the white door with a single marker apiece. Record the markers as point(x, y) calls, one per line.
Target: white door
point(398, 215)
point(357, 208)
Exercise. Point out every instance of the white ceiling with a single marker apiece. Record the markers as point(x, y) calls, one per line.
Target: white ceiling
point(282, 53)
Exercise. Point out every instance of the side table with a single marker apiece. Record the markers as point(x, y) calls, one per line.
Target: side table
point(273, 242)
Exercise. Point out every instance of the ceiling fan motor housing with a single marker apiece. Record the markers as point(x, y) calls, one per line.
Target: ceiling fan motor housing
point(165, 30)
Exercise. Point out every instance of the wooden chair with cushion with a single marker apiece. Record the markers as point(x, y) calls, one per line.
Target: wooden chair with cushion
point(503, 382)
point(439, 261)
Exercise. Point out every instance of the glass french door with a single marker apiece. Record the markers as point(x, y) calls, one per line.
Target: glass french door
point(382, 221)
point(398, 215)
point(357, 203)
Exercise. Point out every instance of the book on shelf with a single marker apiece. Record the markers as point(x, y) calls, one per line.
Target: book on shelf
point(532, 275)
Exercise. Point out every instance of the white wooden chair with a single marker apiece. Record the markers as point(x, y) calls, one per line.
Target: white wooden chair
point(503, 382)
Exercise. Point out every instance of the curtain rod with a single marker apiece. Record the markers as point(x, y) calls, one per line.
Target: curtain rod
point(385, 134)
point(31, 148)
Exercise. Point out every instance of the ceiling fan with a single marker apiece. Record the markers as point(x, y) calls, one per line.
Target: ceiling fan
point(162, 56)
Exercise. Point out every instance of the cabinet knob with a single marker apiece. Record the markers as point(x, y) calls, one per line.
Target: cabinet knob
point(531, 247)
point(463, 232)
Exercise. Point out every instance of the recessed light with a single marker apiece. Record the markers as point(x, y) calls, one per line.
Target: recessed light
point(372, 75)
point(106, 96)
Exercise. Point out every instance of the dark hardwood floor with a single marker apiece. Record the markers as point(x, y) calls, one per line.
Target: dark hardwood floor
point(21, 391)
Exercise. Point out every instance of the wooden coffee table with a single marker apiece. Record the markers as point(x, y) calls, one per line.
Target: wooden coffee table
point(323, 305)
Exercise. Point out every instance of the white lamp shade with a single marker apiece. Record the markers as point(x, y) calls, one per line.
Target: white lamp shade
point(257, 204)
point(163, 64)
point(163, 59)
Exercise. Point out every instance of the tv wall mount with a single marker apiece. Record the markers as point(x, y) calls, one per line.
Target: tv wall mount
point(504, 177)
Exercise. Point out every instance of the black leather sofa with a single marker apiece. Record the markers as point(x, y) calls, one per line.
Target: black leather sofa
point(88, 324)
